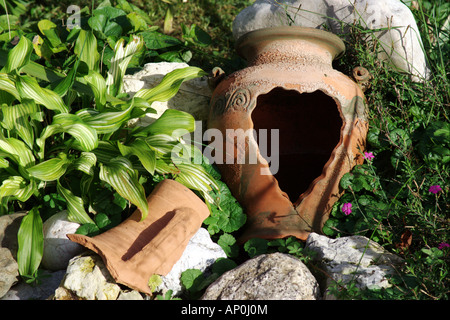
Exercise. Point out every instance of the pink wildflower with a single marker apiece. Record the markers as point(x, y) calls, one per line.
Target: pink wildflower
point(368, 155)
point(443, 245)
point(435, 189)
point(347, 208)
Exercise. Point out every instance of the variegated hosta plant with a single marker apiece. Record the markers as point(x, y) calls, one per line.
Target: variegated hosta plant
point(49, 145)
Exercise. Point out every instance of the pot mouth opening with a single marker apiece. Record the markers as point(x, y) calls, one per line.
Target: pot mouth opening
point(309, 129)
point(246, 43)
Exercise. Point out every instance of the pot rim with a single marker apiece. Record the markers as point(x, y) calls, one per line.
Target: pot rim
point(248, 41)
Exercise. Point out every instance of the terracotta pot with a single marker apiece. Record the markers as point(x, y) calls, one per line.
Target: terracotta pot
point(289, 85)
point(135, 250)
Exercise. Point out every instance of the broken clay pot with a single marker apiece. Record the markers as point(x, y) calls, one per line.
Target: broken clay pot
point(135, 250)
point(320, 114)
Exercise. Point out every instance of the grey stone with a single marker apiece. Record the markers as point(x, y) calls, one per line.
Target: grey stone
point(58, 249)
point(353, 258)
point(9, 271)
point(9, 226)
point(44, 290)
point(275, 276)
point(399, 37)
point(200, 253)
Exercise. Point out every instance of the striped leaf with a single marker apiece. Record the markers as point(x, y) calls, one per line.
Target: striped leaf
point(85, 163)
point(170, 84)
point(7, 84)
point(50, 170)
point(16, 117)
point(73, 125)
point(106, 151)
point(17, 151)
point(18, 187)
point(105, 122)
point(119, 63)
point(19, 56)
point(31, 243)
point(86, 49)
point(29, 88)
point(163, 144)
point(142, 150)
point(195, 177)
point(98, 85)
point(172, 122)
point(119, 173)
point(75, 206)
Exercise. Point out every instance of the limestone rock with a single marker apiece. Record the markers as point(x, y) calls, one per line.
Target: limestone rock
point(200, 253)
point(193, 96)
point(275, 276)
point(130, 295)
point(58, 249)
point(400, 37)
point(9, 271)
point(354, 258)
point(87, 278)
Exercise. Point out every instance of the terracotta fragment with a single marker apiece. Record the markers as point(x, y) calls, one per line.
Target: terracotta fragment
point(135, 250)
point(289, 85)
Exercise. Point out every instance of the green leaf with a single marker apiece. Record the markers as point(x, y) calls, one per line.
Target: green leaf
point(18, 56)
point(31, 243)
point(86, 49)
point(98, 85)
point(119, 173)
point(142, 150)
point(48, 29)
point(16, 117)
point(7, 84)
point(256, 247)
point(18, 151)
point(75, 206)
point(162, 143)
point(105, 122)
point(50, 170)
point(119, 63)
point(85, 163)
point(18, 187)
point(195, 177)
point(29, 88)
point(73, 125)
point(170, 84)
point(172, 122)
point(156, 40)
point(189, 277)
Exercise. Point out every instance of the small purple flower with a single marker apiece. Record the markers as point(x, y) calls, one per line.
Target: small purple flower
point(435, 189)
point(347, 208)
point(368, 156)
point(443, 245)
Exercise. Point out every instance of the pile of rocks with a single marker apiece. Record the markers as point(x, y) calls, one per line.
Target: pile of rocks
point(274, 276)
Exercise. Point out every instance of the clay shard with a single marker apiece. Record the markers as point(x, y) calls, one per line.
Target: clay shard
point(135, 250)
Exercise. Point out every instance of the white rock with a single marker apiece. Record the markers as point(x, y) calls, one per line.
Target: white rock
point(193, 96)
point(354, 258)
point(58, 249)
point(87, 278)
point(200, 253)
point(399, 38)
